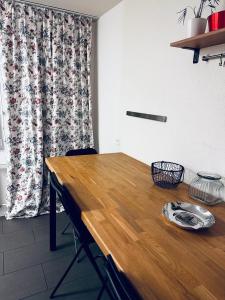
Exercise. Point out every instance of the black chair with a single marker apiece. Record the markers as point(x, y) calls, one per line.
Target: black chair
point(76, 152)
point(86, 151)
point(120, 286)
point(58, 188)
point(82, 233)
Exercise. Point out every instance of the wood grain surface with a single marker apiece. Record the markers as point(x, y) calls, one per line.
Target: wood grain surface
point(122, 209)
point(204, 40)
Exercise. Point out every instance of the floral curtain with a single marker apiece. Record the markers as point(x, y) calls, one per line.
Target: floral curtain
point(46, 73)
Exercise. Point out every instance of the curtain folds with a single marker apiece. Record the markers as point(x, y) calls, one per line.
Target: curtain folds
point(46, 70)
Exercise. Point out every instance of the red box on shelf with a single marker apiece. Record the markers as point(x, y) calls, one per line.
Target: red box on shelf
point(216, 20)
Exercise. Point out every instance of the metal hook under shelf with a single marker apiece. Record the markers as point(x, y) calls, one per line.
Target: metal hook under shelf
point(216, 56)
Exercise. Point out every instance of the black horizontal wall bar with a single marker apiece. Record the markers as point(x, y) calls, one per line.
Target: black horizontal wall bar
point(147, 116)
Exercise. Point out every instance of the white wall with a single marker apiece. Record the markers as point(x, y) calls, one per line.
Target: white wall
point(139, 71)
point(110, 78)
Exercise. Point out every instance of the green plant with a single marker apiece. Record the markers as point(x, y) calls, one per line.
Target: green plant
point(211, 4)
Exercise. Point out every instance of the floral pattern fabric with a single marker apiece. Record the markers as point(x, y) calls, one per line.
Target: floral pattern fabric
point(46, 69)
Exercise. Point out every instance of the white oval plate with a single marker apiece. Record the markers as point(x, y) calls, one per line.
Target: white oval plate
point(188, 216)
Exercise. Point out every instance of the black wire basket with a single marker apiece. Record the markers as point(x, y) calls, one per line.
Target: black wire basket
point(167, 174)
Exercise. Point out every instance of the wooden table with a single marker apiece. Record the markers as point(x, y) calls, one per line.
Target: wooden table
point(122, 209)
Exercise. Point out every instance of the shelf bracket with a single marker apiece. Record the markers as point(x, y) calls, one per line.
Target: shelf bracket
point(196, 54)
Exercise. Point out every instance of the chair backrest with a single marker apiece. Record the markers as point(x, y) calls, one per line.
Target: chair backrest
point(121, 287)
point(74, 214)
point(86, 151)
point(53, 179)
point(59, 190)
point(55, 184)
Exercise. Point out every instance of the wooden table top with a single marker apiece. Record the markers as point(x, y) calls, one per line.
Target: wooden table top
point(122, 209)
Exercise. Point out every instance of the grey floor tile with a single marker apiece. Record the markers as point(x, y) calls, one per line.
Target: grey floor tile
point(53, 270)
point(82, 289)
point(15, 240)
point(1, 221)
point(14, 225)
point(41, 233)
point(1, 263)
point(43, 219)
point(41, 226)
point(22, 284)
point(37, 253)
point(31, 270)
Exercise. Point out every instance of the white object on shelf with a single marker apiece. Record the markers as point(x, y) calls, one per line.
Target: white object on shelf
point(196, 26)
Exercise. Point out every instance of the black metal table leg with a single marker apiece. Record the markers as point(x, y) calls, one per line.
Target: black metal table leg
point(52, 219)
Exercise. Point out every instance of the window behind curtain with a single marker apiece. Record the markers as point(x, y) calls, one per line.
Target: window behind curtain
point(2, 137)
point(1, 111)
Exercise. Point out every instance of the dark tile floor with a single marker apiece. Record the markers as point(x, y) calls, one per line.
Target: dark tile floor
point(28, 270)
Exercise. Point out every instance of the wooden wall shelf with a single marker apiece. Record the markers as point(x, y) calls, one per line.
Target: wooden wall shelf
point(198, 42)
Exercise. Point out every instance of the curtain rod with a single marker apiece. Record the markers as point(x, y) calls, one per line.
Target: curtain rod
point(55, 8)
